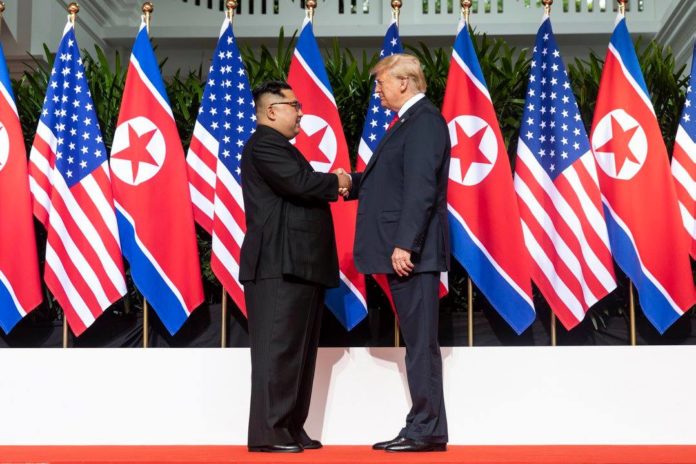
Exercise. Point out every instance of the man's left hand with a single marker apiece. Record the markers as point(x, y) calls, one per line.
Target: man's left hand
point(401, 262)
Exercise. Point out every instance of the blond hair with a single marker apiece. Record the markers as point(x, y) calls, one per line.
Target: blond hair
point(402, 65)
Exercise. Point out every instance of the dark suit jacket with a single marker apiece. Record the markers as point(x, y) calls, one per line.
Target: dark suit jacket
point(403, 195)
point(289, 225)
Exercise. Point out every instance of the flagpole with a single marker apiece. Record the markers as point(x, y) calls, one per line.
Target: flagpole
point(310, 5)
point(396, 9)
point(464, 14)
point(73, 9)
point(470, 310)
point(622, 6)
point(466, 10)
point(2, 13)
point(147, 9)
point(631, 301)
point(231, 7)
point(547, 12)
point(632, 313)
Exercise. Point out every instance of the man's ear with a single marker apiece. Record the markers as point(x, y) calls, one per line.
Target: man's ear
point(270, 113)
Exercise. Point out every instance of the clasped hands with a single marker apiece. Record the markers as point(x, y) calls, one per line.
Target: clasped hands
point(345, 182)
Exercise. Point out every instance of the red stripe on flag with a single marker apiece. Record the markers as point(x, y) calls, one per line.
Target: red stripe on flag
point(53, 284)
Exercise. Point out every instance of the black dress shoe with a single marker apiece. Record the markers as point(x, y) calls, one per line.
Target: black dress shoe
point(383, 444)
point(415, 446)
point(289, 448)
point(312, 444)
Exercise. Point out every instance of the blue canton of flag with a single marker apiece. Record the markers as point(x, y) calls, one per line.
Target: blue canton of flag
point(226, 120)
point(69, 112)
point(684, 160)
point(558, 193)
point(72, 194)
point(377, 119)
point(227, 109)
point(688, 117)
point(552, 127)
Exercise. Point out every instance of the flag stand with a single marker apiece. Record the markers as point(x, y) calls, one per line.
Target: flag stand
point(145, 323)
point(631, 302)
point(73, 9)
point(465, 12)
point(65, 331)
point(148, 8)
point(396, 9)
point(231, 6)
point(553, 328)
point(632, 313)
point(470, 310)
point(223, 332)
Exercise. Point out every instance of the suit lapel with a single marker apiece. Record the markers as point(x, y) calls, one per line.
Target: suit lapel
point(396, 127)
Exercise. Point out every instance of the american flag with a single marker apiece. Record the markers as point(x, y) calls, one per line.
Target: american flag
point(226, 120)
point(71, 192)
point(377, 119)
point(684, 160)
point(558, 193)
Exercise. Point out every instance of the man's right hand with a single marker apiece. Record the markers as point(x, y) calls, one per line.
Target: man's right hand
point(344, 181)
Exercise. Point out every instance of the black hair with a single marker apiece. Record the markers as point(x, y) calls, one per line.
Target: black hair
point(272, 87)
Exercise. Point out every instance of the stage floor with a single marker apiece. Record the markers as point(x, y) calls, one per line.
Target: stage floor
point(352, 455)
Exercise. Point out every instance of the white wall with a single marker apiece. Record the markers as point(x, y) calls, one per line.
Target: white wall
point(535, 395)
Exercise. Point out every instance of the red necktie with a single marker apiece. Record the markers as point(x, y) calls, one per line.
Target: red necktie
point(393, 121)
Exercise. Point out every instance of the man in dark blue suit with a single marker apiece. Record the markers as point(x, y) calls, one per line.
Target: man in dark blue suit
point(402, 231)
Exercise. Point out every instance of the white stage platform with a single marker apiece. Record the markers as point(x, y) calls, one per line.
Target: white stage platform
point(494, 396)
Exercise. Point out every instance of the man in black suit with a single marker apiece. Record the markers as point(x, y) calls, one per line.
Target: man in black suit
point(288, 259)
point(402, 231)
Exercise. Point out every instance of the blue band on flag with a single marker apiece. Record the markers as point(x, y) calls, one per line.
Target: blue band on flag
point(309, 50)
point(655, 305)
point(148, 280)
point(464, 47)
point(5, 73)
point(142, 51)
point(9, 316)
point(621, 41)
point(347, 308)
point(504, 298)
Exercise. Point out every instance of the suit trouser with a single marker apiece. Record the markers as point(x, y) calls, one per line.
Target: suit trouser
point(417, 302)
point(284, 324)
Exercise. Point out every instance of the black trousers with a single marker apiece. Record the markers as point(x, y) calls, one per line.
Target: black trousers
point(417, 302)
point(284, 324)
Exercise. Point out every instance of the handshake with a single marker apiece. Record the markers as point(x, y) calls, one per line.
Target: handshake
point(344, 182)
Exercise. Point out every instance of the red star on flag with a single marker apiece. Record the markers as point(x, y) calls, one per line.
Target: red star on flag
point(310, 143)
point(618, 144)
point(467, 149)
point(137, 151)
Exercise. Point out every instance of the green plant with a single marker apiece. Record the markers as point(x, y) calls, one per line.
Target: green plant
point(505, 70)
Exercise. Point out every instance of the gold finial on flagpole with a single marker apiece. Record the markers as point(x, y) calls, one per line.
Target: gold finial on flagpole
point(2, 12)
point(396, 9)
point(547, 6)
point(466, 9)
point(73, 9)
point(231, 8)
point(148, 8)
point(622, 6)
point(310, 5)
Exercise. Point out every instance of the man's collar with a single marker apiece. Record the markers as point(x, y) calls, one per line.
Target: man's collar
point(410, 102)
